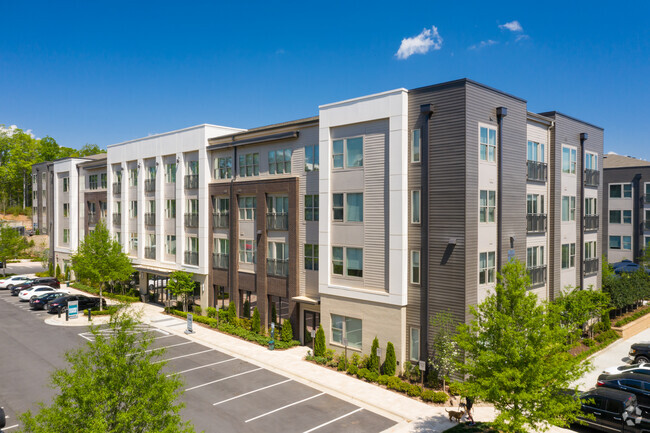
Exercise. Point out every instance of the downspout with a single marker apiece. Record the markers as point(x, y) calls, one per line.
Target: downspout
point(426, 111)
point(636, 221)
point(583, 137)
point(501, 113)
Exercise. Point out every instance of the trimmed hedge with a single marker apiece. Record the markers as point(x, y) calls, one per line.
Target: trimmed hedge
point(632, 318)
point(107, 312)
point(105, 294)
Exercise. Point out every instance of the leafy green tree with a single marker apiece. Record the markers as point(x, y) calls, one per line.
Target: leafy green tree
point(57, 274)
point(517, 358)
point(390, 363)
point(287, 331)
point(319, 342)
point(48, 149)
point(181, 284)
point(576, 307)
point(100, 260)
point(90, 149)
point(115, 383)
point(44, 257)
point(12, 245)
point(247, 309)
point(255, 321)
point(444, 349)
point(373, 360)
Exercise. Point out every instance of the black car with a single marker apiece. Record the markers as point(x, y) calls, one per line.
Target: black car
point(61, 304)
point(640, 352)
point(16, 289)
point(39, 302)
point(43, 281)
point(613, 411)
point(635, 383)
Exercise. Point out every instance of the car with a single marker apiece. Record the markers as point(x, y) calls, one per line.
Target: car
point(635, 383)
point(61, 304)
point(17, 288)
point(640, 352)
point(628, 368)
point(45, 281)
point(27, 294)
point(39, 302)
point(9, 282)
point(3, 418)
point(612, 410)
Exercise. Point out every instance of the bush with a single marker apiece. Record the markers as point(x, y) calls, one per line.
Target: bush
point(599, 327)
point(363, 373)
point(363, 363)
point(414, 391)
point(232, 313)
point(319, 343)
point(197, 309)
point(255, 321)
point(390, 363)
point(434, 396)
point(373, 360)
point(605, 320)
point(355, 359)
point(211, 312)
point(454, 388)
point(632, 318)
point(105, 294)
point(342, 364)
point(353, 370)
point(383, 379)
point(393, 382)
point(588, 342)
point(50, 270)
point(287, 331)
point(428, 395)
point(607, 335)
point(247, 309)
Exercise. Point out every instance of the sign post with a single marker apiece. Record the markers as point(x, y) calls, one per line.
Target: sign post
point(313, 339)
point(73, 309)
point(423, 366)
point(189, 329)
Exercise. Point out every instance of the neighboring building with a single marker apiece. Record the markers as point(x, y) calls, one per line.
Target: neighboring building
point(627, 208)
point(40, 182)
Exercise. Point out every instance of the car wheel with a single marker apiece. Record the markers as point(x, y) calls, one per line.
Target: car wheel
point(641, 360)
point(10, 287)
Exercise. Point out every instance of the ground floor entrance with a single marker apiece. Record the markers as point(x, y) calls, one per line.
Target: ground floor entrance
point(311, 320)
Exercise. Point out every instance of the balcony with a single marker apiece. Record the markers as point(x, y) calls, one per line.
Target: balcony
point(537, 276)
point(117, 188)
point(117, 218)
point(536, 222)
point(150, 253)
point(93, 219)
point(277, 268)
point(591, 266)
point(277, 221)
point(220, 220)
point(191, 220)
point(191, 258)
point(220, 261)
point(150, 185)
point(536, 171)
point(191, 181)
point(591, 222)
point(150, 219)
point(592, 177)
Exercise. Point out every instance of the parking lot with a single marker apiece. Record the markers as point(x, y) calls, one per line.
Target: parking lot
point(222, 393)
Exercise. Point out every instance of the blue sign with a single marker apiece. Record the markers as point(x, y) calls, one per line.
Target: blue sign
point(73, 309)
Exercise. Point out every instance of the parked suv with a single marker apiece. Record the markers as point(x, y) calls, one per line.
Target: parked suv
point(42, 281)
point(640, 352)
point(637, 384)
point(613, 411)
point(61, 304)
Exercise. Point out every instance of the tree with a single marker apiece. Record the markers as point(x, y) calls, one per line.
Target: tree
point(287, 331)
point(247, 309)
point(90, 149)
point(44, 257)
point(116, 383)
point(578, 307)
point(255, 321)
point(274, 313)
point(12, 245)
point(319, 342)
point(181, 284)
point(232, 313)
point(373, 360)
point(517, 358)
point(390, 363)
point(444, 348)
point(100, 260)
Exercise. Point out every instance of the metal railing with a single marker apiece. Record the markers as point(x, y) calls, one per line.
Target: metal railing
point(150, 219)
point(220, 220)
point(117, 188)
point(191, 220)
point(150, 253)
point(220, 261)
point(592, 177)
point(277, 221)
point(277, 268)
point(117, 218)
point(537, 171)
point(536, 222)
point(191, 258)
point(191, 181)
point(150, 185)
point(537, 275)
point(591, 266)
point(591, 222)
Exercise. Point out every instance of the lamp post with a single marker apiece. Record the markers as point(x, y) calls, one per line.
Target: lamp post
point(272, 342)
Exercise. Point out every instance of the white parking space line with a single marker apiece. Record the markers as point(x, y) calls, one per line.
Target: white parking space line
point(171, 345)
point(250, 392)
point(185, 356)
point(10, 427)
point(284, 407)
point(334, 420)
point(83, 336)
point(201, 366)
point(223, 378)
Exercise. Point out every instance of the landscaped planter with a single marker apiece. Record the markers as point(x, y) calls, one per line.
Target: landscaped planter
point(633, 328)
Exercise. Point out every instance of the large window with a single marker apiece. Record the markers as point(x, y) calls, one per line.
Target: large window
point(151, 172)
point(347, 261)
point(223, 168)
point(487, 144)
point(192, 167)
point(627, 243)
point(614, 242)
point(311, 158)
point(133, 242)
point(66, 236)
point(590, 250)
point(66, 183)
point(591, 207)
point(568, 256)
point(346, 329)
point(66, 210)
point(353, 209)
point(92, 181)
point(591, 161)
point(192, 244)
point(170, 173)
point(534, 203)
point(415, 145)
point(249, 164)
point(133, 209)
point(487, 267)
point(535, 257)
point(619, 190)
point(568, 208)
point(280, 161)
point(415, 206)
point(535, 151)
point(347, 152)
point(487, 206)
point(414, 352)
point(247, 251)
point(170, 245)
point(311, 207)
point(311, 257)
point(415, 267)
point(221, 205)
point(277, 204)
point(615, 217)
point(247, 206)
point(278, 251)
point(569, 160)
point(192, 206)
point(133, 177)
point(170, 208)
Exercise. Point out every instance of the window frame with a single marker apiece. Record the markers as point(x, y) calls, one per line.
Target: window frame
point(246, 256)
point(490, 148)
point(311, 209)
point(571, 208)
point(170, 172)
point(489, 210)
point(345, 153)
point(247, 213)
point(412, 346)
point(170, 245)
point(626, 243)
point(416, 217)
point(416, 146)
point(314, 165)
point(133, 177)
point(66, 183)
point(275, 165)
point(415, 269)
point(591, 158)
point(591, 204)
point(222, 168)
point(536, 254)
point(570, 250)
point(66, 210)
point(538, 148)
point(344, 208)
point(243, 165)
point(345, 268)
point(572, 160)
point(489, 271)
point(590, 250)
point(170, 208)
point(312, 255)
point(133, 209)
point(344, 332)
point(614, 238)
point(66, 236)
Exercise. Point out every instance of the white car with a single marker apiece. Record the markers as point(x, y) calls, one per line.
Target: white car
point(9, 282)
point(26, 295)
point(629, 368)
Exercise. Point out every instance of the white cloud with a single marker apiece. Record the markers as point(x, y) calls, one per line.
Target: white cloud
point(513, 26)
point(12, 129)
point(429, 39)
point(522, 38)
point(483, 44)
point(611, 152)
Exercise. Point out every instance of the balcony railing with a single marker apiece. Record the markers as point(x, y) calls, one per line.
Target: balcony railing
point(592, 177)
point(150, 253)
point(150, 185)
point(536, 171)
point(191, 258)
point(536, 222)
point(591, 222)
point(220, 220)
point(591, 266)
point(93, 218)
point(150, 219)
point(191, 220)
point(220, 261)
point(277, 221)
point(537, 275)
point(191, 181)
point(117, 188)
point(277, 268)
point(117, 218)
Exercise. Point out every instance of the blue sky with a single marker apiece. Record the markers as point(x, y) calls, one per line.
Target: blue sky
point(104, 72)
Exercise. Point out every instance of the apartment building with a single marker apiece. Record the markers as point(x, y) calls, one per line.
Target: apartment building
point(627, 207)
point(40, 182)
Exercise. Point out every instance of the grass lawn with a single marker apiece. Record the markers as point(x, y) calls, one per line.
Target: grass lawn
point(479, 427)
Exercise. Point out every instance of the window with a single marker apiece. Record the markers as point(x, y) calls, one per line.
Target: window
point(415, 267)
point(221, 205)
point(170, 208)
point(66, 210)
point(568, 256)
point(311, 158)
point(615, 217)
point(535, 204)
point(151, 240)
point(92, 181)
point(223, 168)
point(591, 161)
point(415, 206)
point(590, 250)
point(192, 244)
point(118, 237)
point(91, 209)
point(102, 209)
point(535, 257)
point(487, 267)
point(349, 150)
point(311, 207)
point(247, 251)
point(133, 209)
point(170, 173)
point(568, 208)
point(103, 178)
point(66, 236)
point(192, 206)
point(337, 207)
point(118, 207)
point(348, 329)
point(535, 151)
point(590, 206)
point(627, 243)
point(647, 242)
point(353, 207)
point(151, 206)
point(133, 177)
point(249, 164)
point(280, 161)
point(337, 260)
point(627, 190)
point(151, 172)
point(170, 245)
point(627, 217)
point(278, 251)
point(277, 205)
point(66, 184)
point(414, 352)
point(353, 264)
point(488, 144)
point(569, 160)
point(311, 257)
point(615, 242)
point(415, 145)
point(133, 242)
point(118, 175)
point(192, 167)
point(221, 246)
point(620, 190)
point(247, 206)
point(487, 206)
